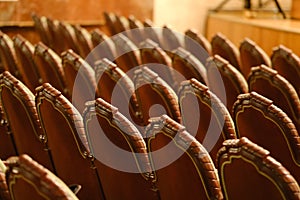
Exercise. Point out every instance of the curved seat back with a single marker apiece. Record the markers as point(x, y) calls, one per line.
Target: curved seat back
point(80, 79)
point(120, 153)
point(205, 116)
point(252, 55)
point(258, 119)
point(67, 141)
point(8, 56)
point(157, 60)
point(155, 96)
point(287, 64)
point(50, 67)
point(18, 104)
point(27, 179)
point(116, 88)
point(270, 84)
point(225, 80)
point(223, 47)
point(247, 171)
point(181, 163)
point(25, 53)
point(187, 66)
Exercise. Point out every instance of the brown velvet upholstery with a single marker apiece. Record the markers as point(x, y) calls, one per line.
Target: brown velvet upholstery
point(41, 26)
point(50, 67)
point(84, 41)
point(67, 141)
point(128, 54)
point(258, 119)
point(252, 55)
point(8, 56)
point(7, 144)
point(24, 53)
point(20, 112)
point(157, 60)
point(187, 66)
point(191, 173)
point(192, 42)
point(27, 179)
point(80, 79)
point(104, 47)
point(270, 84)
point(248, 171)
point(225, 80)
point(116, 88)
point(205, 116)
point(222, 46)
point(287, 64)
point(125, 172)
point(137, 30)
point(155, 96)
point(110, 20)
point(170, 39)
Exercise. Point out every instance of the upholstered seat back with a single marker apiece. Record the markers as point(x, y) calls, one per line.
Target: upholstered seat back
point(223, 47)
point(205, 116)
point(18, 104)
point(247, 171)
point(155, 96)
point(257, 118)
point(225, 81)
point(24, 53)
point(80, 79)
point(183, 168)
point(27, 179)
point(67, 141)
point(252, 55)
point(120, 151)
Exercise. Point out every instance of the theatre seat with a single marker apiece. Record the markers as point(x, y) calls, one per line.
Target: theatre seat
point(84, 41)
point(187, 66)
point(127, 54)
point(225, 48)
point(67, 140)
point(8, 56)
point(80, 79)
point(258, 119)
point(155, 96)
point(28, 179)
point(183, 168)
point(225, 80)
point(252, 55)
point(104, 47)
point(157, 60)
point(248, 171)
point(271, 84)
point(18, 104)
point(25, 53)
point(205, 116)
point(50, 67)
point(120, 153)
point(287, 64)
point(116, 88)
point(197, 44)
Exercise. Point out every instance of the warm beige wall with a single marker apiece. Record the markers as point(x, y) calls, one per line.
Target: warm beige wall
point(73, 10)
point(184, 14)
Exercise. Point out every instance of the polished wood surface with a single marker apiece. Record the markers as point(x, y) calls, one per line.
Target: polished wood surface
point(267, 30)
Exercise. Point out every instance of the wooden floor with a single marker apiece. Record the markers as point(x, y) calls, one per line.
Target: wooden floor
point(267, 30)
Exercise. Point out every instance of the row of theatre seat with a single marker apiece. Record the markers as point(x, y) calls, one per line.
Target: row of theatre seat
point(151, 111)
